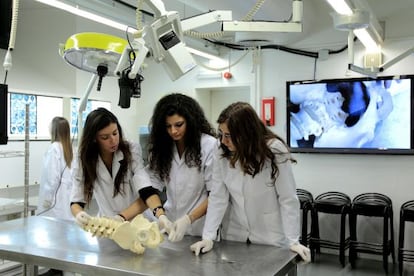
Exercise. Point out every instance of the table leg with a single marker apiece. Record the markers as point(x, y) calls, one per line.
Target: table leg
point(293, 271)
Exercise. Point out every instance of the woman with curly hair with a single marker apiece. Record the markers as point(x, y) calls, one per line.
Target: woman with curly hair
point(253, 181)
point(181, 145)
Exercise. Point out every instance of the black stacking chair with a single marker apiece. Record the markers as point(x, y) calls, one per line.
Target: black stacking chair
point(306, 202)
point(405, 254)
point(330, 203)
point(372, 205)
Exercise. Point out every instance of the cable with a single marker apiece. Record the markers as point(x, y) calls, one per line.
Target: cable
point(54, 195)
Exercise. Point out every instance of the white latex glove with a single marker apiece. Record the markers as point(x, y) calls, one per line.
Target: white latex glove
point(82, 218)
point(178, 229)
point(118, 218)
point(204, 246)
point(303, 252)
point(165, 224)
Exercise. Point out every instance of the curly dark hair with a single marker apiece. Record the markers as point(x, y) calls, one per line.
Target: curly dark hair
point(89, 150)
point(250, 137)
point(160, 145)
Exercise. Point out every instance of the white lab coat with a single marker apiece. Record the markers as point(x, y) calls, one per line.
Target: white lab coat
point(188, 187)
point(135, 179)
point(257, 209)
point(55, 184)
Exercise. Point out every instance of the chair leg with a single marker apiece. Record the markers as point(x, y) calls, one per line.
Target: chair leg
point(305, 227)
point(401, 245)
point(392, 237)
point(342, 241)
point(400, 262)
point(353, 238)
point(385, 245)
point(315, 230)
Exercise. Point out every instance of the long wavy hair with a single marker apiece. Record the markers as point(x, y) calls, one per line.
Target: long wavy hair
point(60, 132)
point(160, 145)
point(89, 151)
point(250, 137)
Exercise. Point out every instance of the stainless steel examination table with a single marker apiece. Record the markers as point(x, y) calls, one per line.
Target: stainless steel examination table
point(41, 241)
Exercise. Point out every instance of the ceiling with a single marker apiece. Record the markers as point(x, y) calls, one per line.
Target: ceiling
point(318, 27)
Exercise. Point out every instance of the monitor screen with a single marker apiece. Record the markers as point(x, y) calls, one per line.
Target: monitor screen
point(5, 23)
point(3, 114)
point(358, 115)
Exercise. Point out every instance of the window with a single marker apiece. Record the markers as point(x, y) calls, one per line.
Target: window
point(42, 109)
point(74, 107)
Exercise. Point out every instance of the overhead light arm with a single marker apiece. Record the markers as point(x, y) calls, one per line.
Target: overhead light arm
point(164, 39)
point(373, 71)
point(396, 59)
point(204, 19)
point(230, 25)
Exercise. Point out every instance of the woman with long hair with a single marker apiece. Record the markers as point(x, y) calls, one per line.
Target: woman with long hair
point(181, 145)
point(253, 181)
point(56, 180)
point(109, 168)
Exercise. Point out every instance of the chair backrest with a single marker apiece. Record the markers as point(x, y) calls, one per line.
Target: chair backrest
point(407, 211)
point(333, 202)
point(305, 197)
point(372, 204)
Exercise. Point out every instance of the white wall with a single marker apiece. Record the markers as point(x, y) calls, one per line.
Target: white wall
point(38, 68)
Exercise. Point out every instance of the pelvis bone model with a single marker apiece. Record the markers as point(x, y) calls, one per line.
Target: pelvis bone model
point(134, 235)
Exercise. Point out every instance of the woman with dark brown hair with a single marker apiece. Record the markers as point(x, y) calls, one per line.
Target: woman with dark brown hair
point(253, 181)
point(110, 169)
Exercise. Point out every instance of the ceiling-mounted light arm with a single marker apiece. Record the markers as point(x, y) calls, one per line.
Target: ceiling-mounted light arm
point(361, 20)
point(373, 71)
point(230, 25)
point(140, 52)
point(164, 39)
point(351, 37)
point(396, 59)
point(83, 101)
point(158, 7)
point(204, 19)
point(294, 25)
point(370, 72)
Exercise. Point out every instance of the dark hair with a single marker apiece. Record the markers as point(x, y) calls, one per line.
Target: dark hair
point(89, 150)
point(250, 137)
point(60, 132)
point(160, 144)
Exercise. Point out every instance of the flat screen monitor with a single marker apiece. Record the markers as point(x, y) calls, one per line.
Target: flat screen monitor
point(5, 22)
point(357, 115)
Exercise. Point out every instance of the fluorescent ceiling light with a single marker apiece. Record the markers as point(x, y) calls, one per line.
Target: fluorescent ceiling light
point(201, 53)
point(363, 35)
point(88, 15)
point(340, 6)
point(367, 40)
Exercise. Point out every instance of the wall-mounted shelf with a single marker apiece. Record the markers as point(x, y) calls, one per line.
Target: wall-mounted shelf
point(11, 153)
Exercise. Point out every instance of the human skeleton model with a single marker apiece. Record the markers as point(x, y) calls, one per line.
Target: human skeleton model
point(135, 235)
